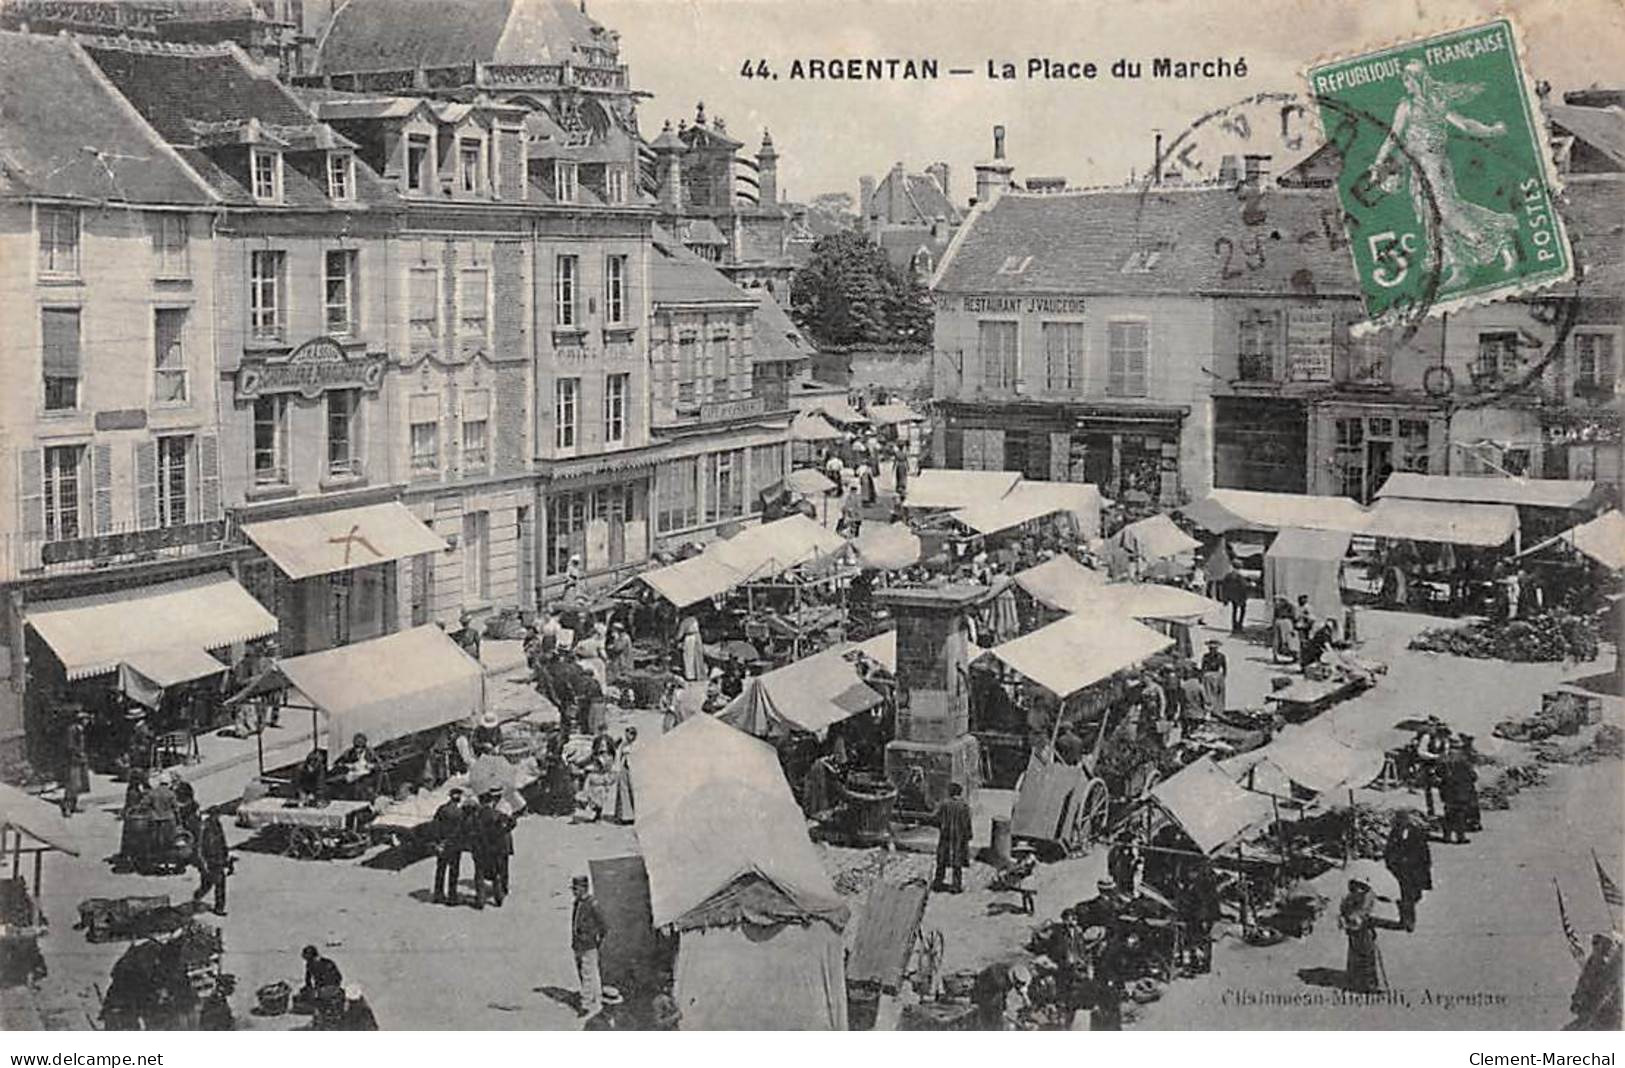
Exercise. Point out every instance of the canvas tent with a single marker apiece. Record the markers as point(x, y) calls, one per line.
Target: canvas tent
point(1060, 582)
point(811, 695)
point(1145, 600)
point(1485, 525)
point(757, 916)
point(1567, 493)
point(1225, 510)
point(1208, 806)
point(887, 546)
point(1080, 650)
point(388, 687)
point(940, 488)
point(1028, 501)
point(693, 580)
point(1602, 539)
point(1308, 562)
point(1155, 538)
point(1309, 758)
point(812, 426)
point(770, 549)
point(891, 414)
point(144, 676)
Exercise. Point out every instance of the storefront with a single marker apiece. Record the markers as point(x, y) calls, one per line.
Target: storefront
point(334, 577)
point(1354, 447)
point(714, 476)
point(1260, 443)
point(596, 508)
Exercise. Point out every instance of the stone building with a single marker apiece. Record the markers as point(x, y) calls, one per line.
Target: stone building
point(911, 216)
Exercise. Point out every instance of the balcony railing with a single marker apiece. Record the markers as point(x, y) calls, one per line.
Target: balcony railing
point(28, 554)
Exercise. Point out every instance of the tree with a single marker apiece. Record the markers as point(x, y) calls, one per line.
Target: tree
point(849, 294)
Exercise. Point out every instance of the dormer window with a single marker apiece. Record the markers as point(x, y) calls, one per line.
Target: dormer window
point(340, 176)
point(470, 153)
point(266, 168)
point(564, 182)
point(615, 185)
point(417, 163)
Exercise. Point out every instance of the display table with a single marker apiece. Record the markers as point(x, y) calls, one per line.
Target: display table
point(279, 812)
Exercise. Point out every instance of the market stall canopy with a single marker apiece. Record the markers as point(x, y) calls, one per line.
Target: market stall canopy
point(882, 649)
point(807, 482)
point(1602, 539)
point(811, 695)
point(321, 543)
point(891, 414)
point(95, 633)
point(887, 546)
point(1079, 650)
point(706, 861)
point(693, 580)
point(37, 819)
point(769, 549)
point(145, 675)
point(1060, 582)
point(1529, 492)
point(937, 487)
point(1028, 501)
point(1311, 758)
point(1225, 510)
point(1145, 600)
point(1454, 522)
point(841, 410)
point(1308, 563)
point(1155, 538)
point(812, 426)
point(1208, 806)
point(389, 687)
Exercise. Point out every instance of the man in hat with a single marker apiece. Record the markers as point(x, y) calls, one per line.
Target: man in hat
point(487, 734)
point(1430, 753)
point(450, 833)
point(1123, 861)
point(1215, 674)
point(491, 834)
point(1410, 859)
point(953, 839)
point(467, 636)
point(214, 862)
point(359, 767)
point(1458, 791)
point(587, 930)
point(75, 762)
point(321, 975)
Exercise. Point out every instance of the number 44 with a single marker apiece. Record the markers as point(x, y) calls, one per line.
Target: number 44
point(1392, 254)
point(758, 69)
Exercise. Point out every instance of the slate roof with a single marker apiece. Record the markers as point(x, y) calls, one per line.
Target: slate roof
point(1601, 128)
point(47, 78)
point(901, 243)
point(923, 198)
point(1135, 241)
point(373, 35)
point(677, 276)
point(188, 93)
point(1594, 210)
point(778, 339)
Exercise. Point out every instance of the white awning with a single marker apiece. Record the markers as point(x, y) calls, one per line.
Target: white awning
point(1602, 539)
point(1060, 582)
point(1144, 600)
point(389, 687)
point(1077, 651)
point(94, 634)
point(1225, 510)
point(693, 580)
point(1028, 501)
point(887, 414)
point(1454, 523)
point(768, 549)
point(145, 675)
point(938, 487)
point(1489, 489)
point(812, 426)
point(1155, 538)
point(41, 821)
point(1208, 806)
point(343, 540)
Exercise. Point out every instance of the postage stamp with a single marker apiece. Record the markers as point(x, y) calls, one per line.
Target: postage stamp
point(1446, 183)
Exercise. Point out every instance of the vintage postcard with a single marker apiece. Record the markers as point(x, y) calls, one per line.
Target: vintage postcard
point(638, 515)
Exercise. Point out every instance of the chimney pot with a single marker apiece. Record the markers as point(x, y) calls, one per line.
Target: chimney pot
point(998, 142)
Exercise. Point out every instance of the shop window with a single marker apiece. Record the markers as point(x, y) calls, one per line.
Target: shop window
point(1497, 355)
point(1127, 343)
point(63, 489)
point(1063, 356)
point(566, 530)
point(996, 343)
point(678, 495)
point(343, 433)
point(271, 440)
point(1593, 363)
point(1412, 454)
point(1350, 457)
point(766, 467)
point(724, 485)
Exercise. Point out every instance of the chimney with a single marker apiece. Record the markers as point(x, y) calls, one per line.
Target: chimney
point(939, 228)
point(993, 176)
point(1257, 169)
point(1229, 170)
point(895, 193)
point(939, 171)
point(767, 171)
point(866, 199)
point(1156, 158)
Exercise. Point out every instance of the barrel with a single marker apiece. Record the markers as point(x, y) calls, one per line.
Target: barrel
point(1001, 842)
point(869, 804)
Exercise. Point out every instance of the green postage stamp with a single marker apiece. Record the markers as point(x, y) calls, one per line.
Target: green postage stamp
point(1447, 183)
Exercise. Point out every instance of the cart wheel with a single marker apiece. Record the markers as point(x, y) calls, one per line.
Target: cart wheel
point(1089, 817)
point(303, 844)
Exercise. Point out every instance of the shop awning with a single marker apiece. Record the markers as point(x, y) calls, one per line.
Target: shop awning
point(324, 542)
point(693, 580)
point(1080, 650)
point(1155, 538)
point(145, 675)
point(389, 687)
point(1225, 510)
point(807, 482)
point(1454, 523)
point(889, 414)
point(769, 549)
point(841, 411)
point(1208, 806)
point(938, 487)
point(1529, 492)
point(40, 821)
point(1060, 582)
point(812, 426)
point(1028, 501)
point(94, 634)
point(1602, 539)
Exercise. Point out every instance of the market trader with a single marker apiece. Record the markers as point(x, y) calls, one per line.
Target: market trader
point(214, 862)
point(953, 839)
point(450, 831)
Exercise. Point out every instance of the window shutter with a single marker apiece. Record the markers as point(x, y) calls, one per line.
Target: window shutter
point(508, 309)
point(208, 477)
point(60, 327)
point(146, 484)
point(1137, 359)
point(101, 473)
point(590, 418)
point(31, 490)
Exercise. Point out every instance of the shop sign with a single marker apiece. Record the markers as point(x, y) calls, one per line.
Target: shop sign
point(1309, 345)
point(725, 411)
point(312, 369)
point(1037, 305)
point(132, 543)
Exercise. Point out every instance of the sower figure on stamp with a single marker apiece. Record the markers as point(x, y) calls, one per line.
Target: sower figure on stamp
point(953, 839)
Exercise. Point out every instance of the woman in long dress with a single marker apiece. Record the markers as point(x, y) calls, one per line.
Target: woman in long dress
point(1467, 236)
point(625, 811)
point(1363, 972)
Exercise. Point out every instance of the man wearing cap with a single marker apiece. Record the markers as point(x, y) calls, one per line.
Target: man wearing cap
point(1410, 860)
point(1458, 791)
point(1123, 861)
point(1430, 752)
point(953, 839)
point(213, 861)
point(467, 637)
point(1215, 673)
point(449, 830)
point(587, 930)
point(491, 833)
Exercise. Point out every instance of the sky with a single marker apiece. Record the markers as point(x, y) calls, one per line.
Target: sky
point(1092, 132)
